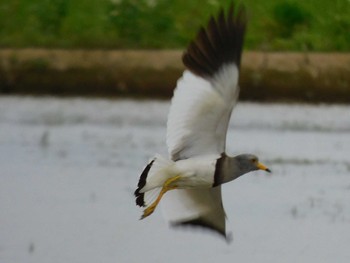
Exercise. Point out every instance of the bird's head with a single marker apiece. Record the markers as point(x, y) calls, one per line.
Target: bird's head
point(250, 162)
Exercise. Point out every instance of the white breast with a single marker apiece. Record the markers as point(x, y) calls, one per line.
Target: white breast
point(197, 172)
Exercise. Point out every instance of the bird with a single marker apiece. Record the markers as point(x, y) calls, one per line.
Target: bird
point(189, 180)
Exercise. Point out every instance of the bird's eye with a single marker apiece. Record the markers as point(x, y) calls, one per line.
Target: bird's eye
point(254, 160)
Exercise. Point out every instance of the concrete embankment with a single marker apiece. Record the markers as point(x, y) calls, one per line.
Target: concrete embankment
point(308, 77)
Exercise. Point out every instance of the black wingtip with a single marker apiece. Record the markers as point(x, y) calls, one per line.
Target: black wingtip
point(219, 43)
point(142, 182)
point(200, 223)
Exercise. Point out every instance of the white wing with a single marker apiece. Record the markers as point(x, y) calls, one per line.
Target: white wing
point(200, 112)
point(197, 207)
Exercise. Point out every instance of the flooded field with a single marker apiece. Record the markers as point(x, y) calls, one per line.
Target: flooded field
point(69, 168)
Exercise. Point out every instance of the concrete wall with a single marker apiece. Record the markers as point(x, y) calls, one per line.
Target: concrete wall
point(309, 77)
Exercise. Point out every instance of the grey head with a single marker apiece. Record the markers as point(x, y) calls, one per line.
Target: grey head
point(229, 168)
point(249, 162)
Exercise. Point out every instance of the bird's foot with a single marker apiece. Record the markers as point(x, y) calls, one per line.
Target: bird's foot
point(166, 187)
point(149, 210)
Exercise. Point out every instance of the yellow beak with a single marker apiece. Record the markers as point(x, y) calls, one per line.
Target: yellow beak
point(263, 167)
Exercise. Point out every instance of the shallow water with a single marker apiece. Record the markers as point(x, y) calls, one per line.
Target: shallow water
point(69, 168)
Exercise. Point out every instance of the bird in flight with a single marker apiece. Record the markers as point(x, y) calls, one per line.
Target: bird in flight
point(189, 181)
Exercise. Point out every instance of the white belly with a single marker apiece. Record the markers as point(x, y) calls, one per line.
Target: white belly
point(196, 172)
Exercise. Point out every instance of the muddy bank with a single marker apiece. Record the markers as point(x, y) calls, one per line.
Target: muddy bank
point(308, 77)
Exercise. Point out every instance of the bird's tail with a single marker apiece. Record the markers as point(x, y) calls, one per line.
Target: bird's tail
point(156, 172)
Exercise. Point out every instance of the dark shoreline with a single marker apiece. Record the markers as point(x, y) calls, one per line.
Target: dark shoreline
point(303, 77)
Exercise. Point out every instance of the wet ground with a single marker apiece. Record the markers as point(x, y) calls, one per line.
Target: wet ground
point(69, 168)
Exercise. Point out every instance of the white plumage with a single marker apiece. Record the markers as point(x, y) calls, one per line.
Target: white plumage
point(197, 125)
point(200, 112)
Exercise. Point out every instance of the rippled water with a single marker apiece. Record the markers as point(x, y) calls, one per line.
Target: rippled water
point(69, 168)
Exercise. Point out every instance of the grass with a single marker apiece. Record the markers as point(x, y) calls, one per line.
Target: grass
point(146, 24)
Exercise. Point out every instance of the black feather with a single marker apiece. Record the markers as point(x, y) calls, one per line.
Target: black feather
point(220, 43)
point(142, 182)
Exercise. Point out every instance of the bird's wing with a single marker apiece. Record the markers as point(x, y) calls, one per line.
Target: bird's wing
point(200, 112)
point(208, 90)
point(195, 207)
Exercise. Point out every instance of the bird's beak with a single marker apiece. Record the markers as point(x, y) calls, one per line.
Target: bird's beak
point(263, 167)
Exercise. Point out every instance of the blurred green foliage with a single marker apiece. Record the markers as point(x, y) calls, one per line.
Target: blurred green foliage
point(50, 15)
point(131, 20)
point(288, 16)
point(134, 24)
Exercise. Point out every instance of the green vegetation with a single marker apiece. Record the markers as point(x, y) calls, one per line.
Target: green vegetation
point(314, 25)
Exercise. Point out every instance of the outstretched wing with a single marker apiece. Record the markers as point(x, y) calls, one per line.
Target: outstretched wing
point(195, 207)
point(208, 90)
point(200, 112)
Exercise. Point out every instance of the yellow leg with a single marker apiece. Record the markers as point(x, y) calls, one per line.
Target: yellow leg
point(166, 187)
